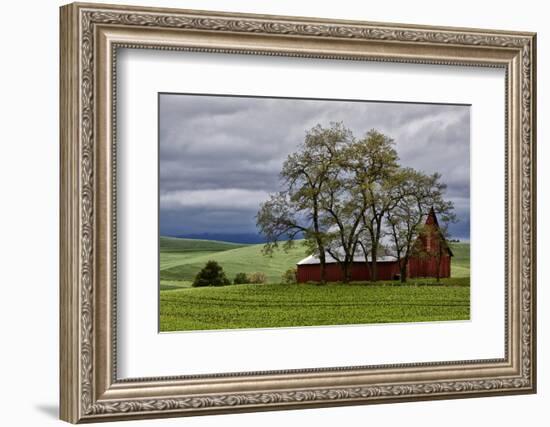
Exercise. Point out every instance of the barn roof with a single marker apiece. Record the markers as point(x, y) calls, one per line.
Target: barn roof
point(386, 254)
point(313, 259)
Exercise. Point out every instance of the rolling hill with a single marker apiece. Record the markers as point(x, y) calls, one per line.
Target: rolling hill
point(181, 259)
point(175, 244)
point(460, 262)
point(246, 238)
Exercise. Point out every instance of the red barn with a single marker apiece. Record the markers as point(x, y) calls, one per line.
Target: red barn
point(387, 263)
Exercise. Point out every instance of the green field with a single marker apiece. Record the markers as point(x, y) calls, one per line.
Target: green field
point(260, 306)
point(275, 305)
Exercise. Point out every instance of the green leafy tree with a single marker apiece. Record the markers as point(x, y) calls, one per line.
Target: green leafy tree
point(241, 279)
point(343, 220)
point(419, 194)
point(289, 277)
point(212, 274)
point(297, 210)
point(341, 193)
point(373, 164)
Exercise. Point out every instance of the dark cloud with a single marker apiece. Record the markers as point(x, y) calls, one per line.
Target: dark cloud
point(220, 156)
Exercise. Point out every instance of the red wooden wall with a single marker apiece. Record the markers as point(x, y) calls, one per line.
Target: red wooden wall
point(359, 272)
point(386, 270)
point(428, 267)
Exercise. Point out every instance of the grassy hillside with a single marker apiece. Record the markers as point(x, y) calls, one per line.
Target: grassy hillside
point(184, 265)
point(262, 306)
point(460, 262)
point(174, 252)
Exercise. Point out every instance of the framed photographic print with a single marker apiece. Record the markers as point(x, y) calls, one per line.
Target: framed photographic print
point(266, 212)
point(305, 207)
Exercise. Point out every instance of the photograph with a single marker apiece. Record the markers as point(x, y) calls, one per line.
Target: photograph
point(292, 212)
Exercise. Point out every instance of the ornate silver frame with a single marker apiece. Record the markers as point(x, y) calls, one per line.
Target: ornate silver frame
point(90, 36)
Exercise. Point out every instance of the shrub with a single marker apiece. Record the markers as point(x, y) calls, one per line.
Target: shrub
point(289, 277)
point(241, 279)
point(257, 277)
point(212, 274)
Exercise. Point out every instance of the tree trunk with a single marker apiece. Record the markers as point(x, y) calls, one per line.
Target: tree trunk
point(322, 262)
point(320, 245)
point(367, 265)
point(345, 271)
point(374, 240)
point(349, 267)
point(374, 269)
point(366, 255)
point(438, 274)
point(403, 271)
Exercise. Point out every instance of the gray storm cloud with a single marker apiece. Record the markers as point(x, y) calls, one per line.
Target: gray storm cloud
point(220, 156)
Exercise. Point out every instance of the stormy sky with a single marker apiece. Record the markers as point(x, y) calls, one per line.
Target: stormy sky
point(220, 156)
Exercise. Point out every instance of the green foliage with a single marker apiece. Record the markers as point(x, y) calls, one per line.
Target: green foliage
point(241, 279)
point(278, 305)
point(306, 173)
point(257, 278)
point(289, 276)
point(211, 275)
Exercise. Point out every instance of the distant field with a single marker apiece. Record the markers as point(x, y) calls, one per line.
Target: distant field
point(177, 245)
point(275, 305)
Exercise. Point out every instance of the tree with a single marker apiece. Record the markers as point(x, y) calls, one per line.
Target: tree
point(257, 278)
point(212, 274)
point(289, 277)
point(281, 219)
point(339, 193)
point(373, 164)
point(343, 219)
point(241, 279)
point(417, 195)
point(297, 211)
